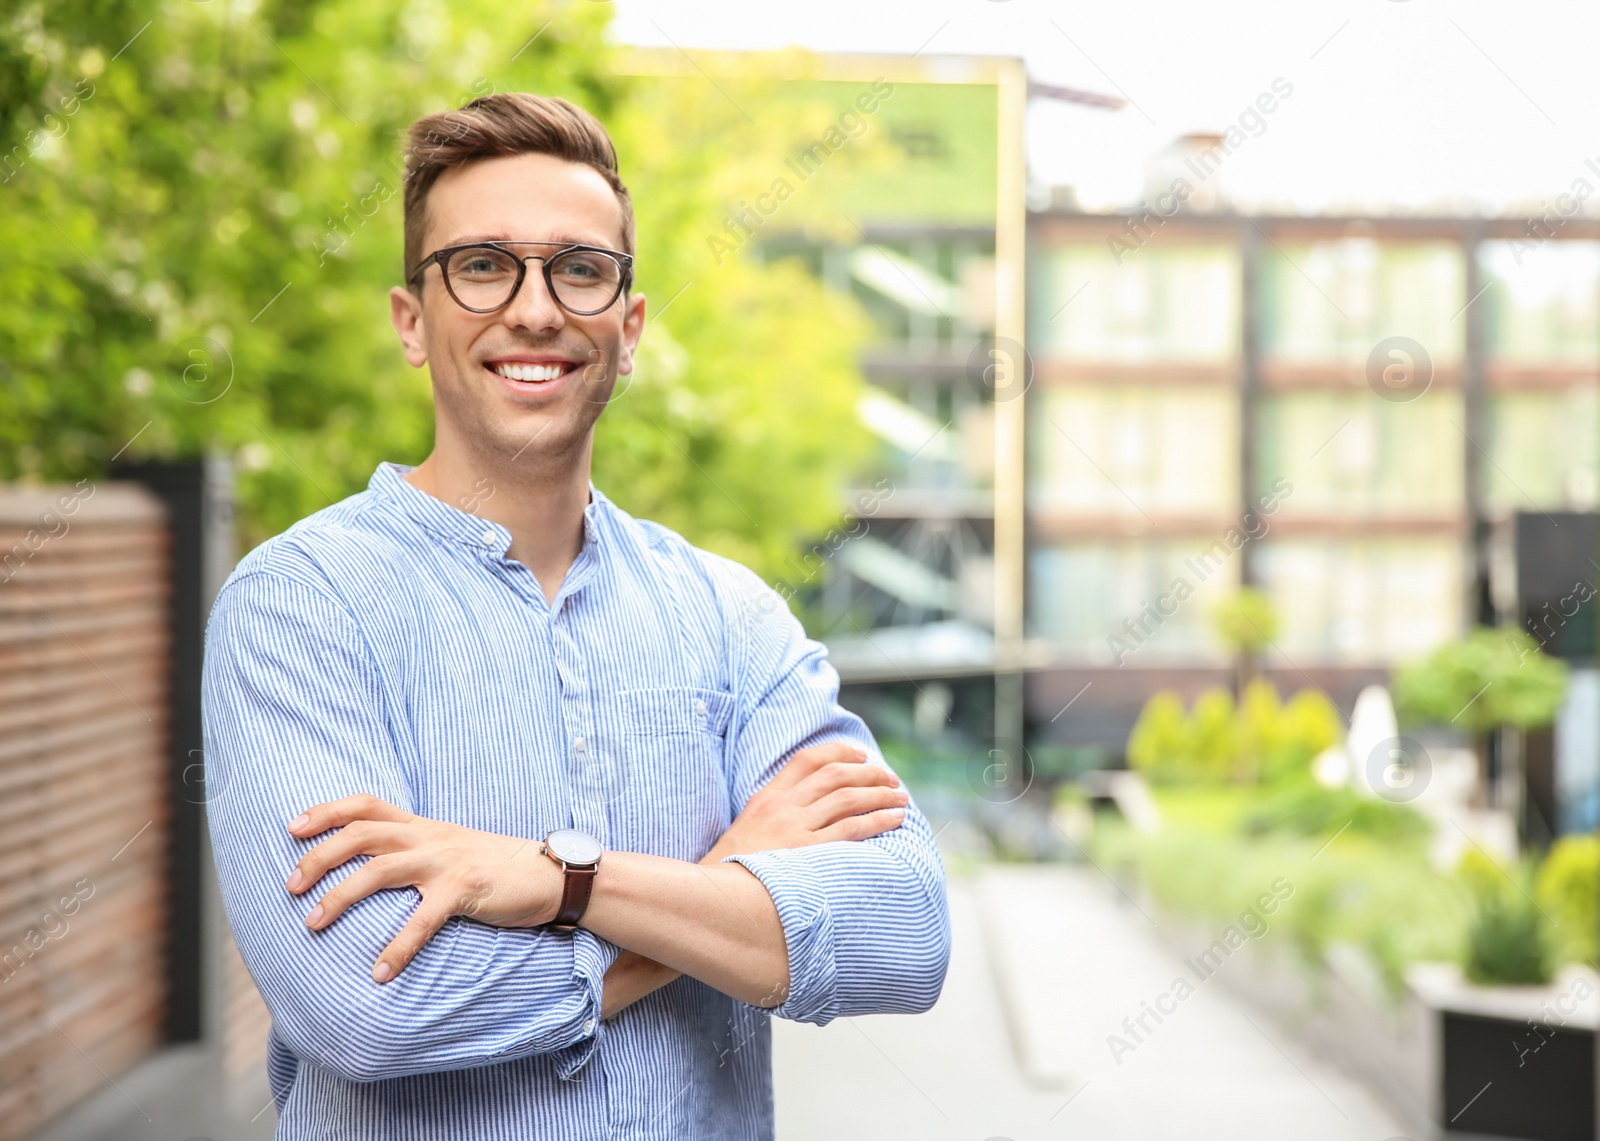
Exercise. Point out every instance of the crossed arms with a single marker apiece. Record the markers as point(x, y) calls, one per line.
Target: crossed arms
point(803, 913)
point(712, 921)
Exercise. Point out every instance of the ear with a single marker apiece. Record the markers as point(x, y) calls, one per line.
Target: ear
point(632, 329)
point(405, 311)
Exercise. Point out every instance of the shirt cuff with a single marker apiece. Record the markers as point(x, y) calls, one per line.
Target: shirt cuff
point(592, 957)
point(797, 890)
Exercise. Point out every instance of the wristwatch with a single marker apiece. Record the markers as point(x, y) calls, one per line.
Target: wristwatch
point(578, 854)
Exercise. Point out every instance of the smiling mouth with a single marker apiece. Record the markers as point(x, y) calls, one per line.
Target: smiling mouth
point(526, 372)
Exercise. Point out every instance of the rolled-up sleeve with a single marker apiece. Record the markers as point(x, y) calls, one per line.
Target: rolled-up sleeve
point(866, 922)
point(296, 714)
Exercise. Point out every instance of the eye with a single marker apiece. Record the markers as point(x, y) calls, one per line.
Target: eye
point(481, 264)
point(582, 267)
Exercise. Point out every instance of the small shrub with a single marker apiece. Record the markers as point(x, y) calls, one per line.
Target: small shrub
point(1159, 746)
point(1505, 943)
point(1262, 739)
point(1566, 887)
point(1215, 736)
point(1306, 808)
point(1506, 940)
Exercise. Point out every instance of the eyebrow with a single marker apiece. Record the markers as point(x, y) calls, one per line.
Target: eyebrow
point(554, 239)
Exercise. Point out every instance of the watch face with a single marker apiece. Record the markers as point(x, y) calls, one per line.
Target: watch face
point(573, 847)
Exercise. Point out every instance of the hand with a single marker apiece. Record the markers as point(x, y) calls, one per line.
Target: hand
point(824, 793)
point(500, 880)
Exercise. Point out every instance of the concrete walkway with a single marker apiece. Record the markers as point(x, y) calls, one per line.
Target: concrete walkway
point(1017, 1046)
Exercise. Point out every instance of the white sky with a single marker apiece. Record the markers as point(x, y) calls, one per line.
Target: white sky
point(1402, 105)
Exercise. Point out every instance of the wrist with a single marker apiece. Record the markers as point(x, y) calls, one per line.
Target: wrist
point(574, 859)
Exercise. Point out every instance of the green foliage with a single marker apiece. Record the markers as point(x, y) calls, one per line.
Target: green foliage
point(1260, 739)
point(1245, 621)
point(1306, 808)
point(1376, 892)
point(1158, 746)
point(1213, 735)
point(1566, 887)
point(1506, 941)
point(1172, 747)
point(740, 430)
point(1278, 741)
point(1488, 679)
point(1480, 876)
point(200, 260)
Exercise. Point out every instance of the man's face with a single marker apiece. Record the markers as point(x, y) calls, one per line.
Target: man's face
point(488, 415)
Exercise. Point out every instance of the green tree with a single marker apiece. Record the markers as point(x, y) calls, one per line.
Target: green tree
point(1488, 679)
point(1247, 623)
point(202, 216)
point(740, 429)
point(1568, 888)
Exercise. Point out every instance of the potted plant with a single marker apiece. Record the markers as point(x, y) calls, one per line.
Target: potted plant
point(1486, 683)
point(1514, 1031)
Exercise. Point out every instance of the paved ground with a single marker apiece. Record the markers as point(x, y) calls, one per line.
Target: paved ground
point(1075, 960)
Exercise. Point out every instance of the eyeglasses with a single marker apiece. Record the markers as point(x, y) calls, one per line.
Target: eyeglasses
point(484, 276)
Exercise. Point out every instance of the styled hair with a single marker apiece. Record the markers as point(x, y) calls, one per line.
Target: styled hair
point(505, 123)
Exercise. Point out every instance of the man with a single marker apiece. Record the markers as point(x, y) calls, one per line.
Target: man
point(532, 813)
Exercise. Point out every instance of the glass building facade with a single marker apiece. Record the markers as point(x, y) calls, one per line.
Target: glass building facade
point(1190, 370)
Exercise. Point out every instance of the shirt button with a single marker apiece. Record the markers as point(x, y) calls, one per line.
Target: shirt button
point(488, 538)
point(588, 1026)
point(700, 707)
point(578, 744)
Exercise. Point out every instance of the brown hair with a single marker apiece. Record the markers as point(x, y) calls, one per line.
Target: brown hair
point(505, 123)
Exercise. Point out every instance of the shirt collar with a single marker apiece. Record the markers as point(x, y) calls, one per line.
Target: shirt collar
point(457, 525)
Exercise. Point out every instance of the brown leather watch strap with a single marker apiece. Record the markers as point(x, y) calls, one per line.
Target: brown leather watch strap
point(576, 886)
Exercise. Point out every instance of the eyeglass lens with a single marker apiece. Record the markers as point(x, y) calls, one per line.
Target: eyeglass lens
point(582, 280)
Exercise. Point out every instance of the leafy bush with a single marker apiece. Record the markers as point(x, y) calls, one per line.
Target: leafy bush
point(1566, 888)
point(1159, 746)
point(1505, 943)
point(1260, 739)
point(1306, 808)
point(1280, 741)
point(1375, 892)
point(1488, 679)
point(1506, 940)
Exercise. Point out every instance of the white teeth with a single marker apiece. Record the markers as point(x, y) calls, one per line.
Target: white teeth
point(533, 372)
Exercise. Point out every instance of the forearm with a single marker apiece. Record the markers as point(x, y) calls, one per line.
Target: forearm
point(630, 978)
point(633, 976)
point(867, 929)
point(473, 996)
point(716, 924)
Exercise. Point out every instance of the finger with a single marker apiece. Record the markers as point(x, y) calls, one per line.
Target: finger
point(363, 838)
point(337, 813)
point(809, 760)
point(414, 936)
point(375, 875)
point(843, 775)
point(864, 827)
point(853, 802)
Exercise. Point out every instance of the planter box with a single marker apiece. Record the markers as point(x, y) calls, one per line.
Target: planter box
point(1488, 1062)
point(1513, 1061)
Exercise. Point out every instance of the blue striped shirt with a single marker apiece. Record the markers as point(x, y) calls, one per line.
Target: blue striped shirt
point(388, 645)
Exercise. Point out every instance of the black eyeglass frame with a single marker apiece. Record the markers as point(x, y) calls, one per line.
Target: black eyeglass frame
point(442, 255)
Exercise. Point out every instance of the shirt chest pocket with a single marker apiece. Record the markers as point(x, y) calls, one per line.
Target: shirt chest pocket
point(677, 801)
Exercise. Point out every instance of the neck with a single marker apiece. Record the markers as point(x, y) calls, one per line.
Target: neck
point(539, 499)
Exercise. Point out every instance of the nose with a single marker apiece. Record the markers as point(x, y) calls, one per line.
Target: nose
point(533, 307)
